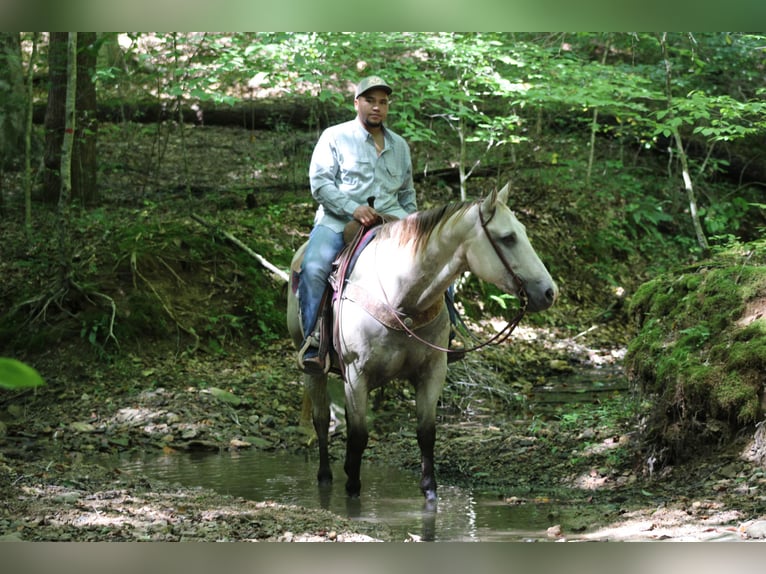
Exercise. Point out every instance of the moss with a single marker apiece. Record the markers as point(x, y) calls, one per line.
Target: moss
point(703, 368)
point(734, 397)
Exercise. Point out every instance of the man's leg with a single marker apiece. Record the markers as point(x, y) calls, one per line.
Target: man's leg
point(324, 245)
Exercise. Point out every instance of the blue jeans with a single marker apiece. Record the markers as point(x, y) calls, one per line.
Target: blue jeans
point(324, 245)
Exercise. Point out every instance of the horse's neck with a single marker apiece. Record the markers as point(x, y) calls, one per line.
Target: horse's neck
point(416, 279)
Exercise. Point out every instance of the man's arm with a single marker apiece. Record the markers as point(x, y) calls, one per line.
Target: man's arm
point(407, 196)
point(322, 177)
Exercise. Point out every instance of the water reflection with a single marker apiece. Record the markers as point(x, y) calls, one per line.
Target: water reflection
point(389, 496)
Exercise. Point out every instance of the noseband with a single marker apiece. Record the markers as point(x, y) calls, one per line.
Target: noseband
point(510, 325)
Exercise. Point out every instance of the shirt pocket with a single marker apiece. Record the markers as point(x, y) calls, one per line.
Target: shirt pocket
point(393, 171)
point(352, 173)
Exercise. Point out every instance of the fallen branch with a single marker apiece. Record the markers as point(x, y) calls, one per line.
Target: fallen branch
point(230, 237)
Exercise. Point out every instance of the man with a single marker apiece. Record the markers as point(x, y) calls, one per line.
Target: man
point(352, 162)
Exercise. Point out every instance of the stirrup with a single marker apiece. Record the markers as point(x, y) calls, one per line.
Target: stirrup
point(316, 365)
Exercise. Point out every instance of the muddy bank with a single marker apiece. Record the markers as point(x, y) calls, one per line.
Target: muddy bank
point(50, 490)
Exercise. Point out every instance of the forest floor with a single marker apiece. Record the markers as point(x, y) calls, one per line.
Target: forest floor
point(154, 398)
point(53, 489)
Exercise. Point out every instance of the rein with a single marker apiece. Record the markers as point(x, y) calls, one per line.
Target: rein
point(505, 332)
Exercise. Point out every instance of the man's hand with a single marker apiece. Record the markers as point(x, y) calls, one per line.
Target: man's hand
point(366, 215)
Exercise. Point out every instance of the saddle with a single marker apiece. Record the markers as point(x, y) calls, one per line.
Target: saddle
point(356, 238)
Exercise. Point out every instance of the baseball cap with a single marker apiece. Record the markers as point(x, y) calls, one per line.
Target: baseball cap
point(372, 82)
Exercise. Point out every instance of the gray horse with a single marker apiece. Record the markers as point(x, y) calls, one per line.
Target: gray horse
point(392, 321)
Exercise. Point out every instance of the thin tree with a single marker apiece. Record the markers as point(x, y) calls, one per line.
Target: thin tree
point(28, 136)
point(11, 104)
point(65, 194)
point(594, 126)
point(83, 167)
point(673, 125)
point(54, 115)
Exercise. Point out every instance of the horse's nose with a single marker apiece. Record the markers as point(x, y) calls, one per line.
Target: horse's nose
point(551, 293)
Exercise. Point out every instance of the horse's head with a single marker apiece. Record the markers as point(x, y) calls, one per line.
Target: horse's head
point(502, 254)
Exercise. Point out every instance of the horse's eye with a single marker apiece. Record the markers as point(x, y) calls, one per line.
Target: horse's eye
point(509, 239)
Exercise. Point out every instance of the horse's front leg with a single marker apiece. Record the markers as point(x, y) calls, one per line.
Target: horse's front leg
point(315, 386)
point(428, 391)
point(356, 432)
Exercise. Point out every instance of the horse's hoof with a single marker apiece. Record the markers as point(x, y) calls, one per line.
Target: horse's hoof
point(353, 489)
point(324, 478)
point(430, 496)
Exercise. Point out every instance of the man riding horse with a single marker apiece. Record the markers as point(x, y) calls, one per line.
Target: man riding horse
point(355, 165)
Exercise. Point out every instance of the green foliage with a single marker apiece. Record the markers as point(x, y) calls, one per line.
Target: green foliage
point(518, 103)
point(697, 354)
point(15, 375)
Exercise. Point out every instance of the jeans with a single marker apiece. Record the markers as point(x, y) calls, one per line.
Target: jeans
point(324, 245)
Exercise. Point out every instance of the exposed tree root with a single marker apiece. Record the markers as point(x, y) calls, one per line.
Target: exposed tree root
point(40, 305)
point(165, 306)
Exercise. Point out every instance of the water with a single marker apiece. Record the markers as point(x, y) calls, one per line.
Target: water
point(389, 495)
point(585, 385)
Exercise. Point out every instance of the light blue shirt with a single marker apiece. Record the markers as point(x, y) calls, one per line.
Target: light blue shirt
point(346, 169)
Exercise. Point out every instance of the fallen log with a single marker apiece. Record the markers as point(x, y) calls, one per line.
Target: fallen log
point(279, 273)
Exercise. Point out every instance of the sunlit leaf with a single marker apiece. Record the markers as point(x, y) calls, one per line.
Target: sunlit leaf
point(17, 375)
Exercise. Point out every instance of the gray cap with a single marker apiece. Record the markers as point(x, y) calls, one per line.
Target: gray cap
point(370, 83)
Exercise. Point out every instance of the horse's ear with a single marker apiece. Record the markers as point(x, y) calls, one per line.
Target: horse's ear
point(488, 205)
point(502, 195)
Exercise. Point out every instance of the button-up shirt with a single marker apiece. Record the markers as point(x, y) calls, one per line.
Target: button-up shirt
point(346, 169)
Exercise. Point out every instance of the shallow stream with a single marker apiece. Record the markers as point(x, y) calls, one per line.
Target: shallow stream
point(390, 495)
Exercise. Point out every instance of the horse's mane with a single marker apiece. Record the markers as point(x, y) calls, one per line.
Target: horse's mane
point(419, 226)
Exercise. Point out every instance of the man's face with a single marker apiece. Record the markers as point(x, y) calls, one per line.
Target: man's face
point(372, 107)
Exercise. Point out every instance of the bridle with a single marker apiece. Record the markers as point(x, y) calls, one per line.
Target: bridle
point(511, 324)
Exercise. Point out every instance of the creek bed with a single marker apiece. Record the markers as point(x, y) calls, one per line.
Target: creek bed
point(389, 495)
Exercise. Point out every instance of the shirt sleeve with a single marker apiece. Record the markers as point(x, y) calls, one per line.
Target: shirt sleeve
point(322, 177)
point(407, 195)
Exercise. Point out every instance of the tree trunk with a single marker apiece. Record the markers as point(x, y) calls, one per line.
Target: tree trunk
point(11, 105)
point(594, 126)
point(688, 186)
point(85, 161)
point(83, 184)
point(28, 137)
point(12, 98)
point(54, 115)
point(67, 148)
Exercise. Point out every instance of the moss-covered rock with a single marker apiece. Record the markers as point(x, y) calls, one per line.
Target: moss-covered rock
point(700, 354)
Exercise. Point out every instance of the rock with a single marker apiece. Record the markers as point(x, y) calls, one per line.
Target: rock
point(225, 396)
point(258, 442)
point(67, 497)
point(559, 366)
point(78, 426)
point(756, 529)
point(554, 531)
point(730, 470)
point(587, 434)
point(236, 443)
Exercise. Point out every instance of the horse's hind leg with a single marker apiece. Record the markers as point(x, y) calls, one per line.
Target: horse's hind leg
point(315, 386)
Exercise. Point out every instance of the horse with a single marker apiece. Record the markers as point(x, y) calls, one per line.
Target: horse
point(392, 321)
